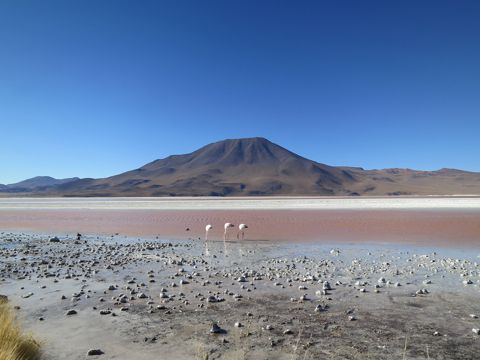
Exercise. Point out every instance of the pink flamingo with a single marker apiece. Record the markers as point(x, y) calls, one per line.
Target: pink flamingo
point(241, 230)
point(227, 226)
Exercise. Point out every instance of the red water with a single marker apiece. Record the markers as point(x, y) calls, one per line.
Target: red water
point(424, 227)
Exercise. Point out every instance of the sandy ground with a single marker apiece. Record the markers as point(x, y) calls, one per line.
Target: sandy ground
point(374, 306)
point(258, 284)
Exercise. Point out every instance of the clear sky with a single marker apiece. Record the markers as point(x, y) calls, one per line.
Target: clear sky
point(92, 88)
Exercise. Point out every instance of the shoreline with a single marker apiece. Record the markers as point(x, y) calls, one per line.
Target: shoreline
point(244, 203)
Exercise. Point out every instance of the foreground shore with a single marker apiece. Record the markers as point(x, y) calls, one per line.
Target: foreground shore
point(138, 298)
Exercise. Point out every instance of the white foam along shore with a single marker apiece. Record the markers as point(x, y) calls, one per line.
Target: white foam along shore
point(243, 203)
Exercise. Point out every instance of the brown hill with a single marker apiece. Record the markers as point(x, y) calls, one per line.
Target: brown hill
point(256, 166)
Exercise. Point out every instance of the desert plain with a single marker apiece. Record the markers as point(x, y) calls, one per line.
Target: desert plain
point(314, 278)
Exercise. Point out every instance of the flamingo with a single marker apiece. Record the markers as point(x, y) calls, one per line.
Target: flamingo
point(241, 229)
point(207, 229)
point(227, 226)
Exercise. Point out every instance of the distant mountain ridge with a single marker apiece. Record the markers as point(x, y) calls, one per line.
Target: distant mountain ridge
point(254, 167)
point(35, 183)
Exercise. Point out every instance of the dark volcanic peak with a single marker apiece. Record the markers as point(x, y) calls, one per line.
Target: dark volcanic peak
point(234, 152)
point(254, 166)
point(231, 152)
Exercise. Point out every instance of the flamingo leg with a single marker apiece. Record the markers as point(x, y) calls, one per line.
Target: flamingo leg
point(225, 244)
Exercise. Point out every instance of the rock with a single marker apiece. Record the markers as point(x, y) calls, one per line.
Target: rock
point(326, 286)
point(214, 299)
point(3, 299)
point(71, 312)
point(54, 239)
point(94, 352)
point(422, 292)
point(335, 252)
point(105, 312)
point(238, 324)
point(215, 329)
point(476, 331)
point(287, 332)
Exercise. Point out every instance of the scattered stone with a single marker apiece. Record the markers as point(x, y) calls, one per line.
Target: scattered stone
point(94, 352)
point(215, 329)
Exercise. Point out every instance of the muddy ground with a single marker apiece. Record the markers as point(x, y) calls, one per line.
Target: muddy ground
point(376, 307)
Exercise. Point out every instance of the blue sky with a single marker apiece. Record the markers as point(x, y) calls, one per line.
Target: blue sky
point(93, 88)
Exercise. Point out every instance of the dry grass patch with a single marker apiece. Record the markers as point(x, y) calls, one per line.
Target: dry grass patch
point(14, 343)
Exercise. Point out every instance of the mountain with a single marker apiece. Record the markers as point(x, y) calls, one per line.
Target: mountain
point(256, 166)
point(253, 166)
point(38, 183)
